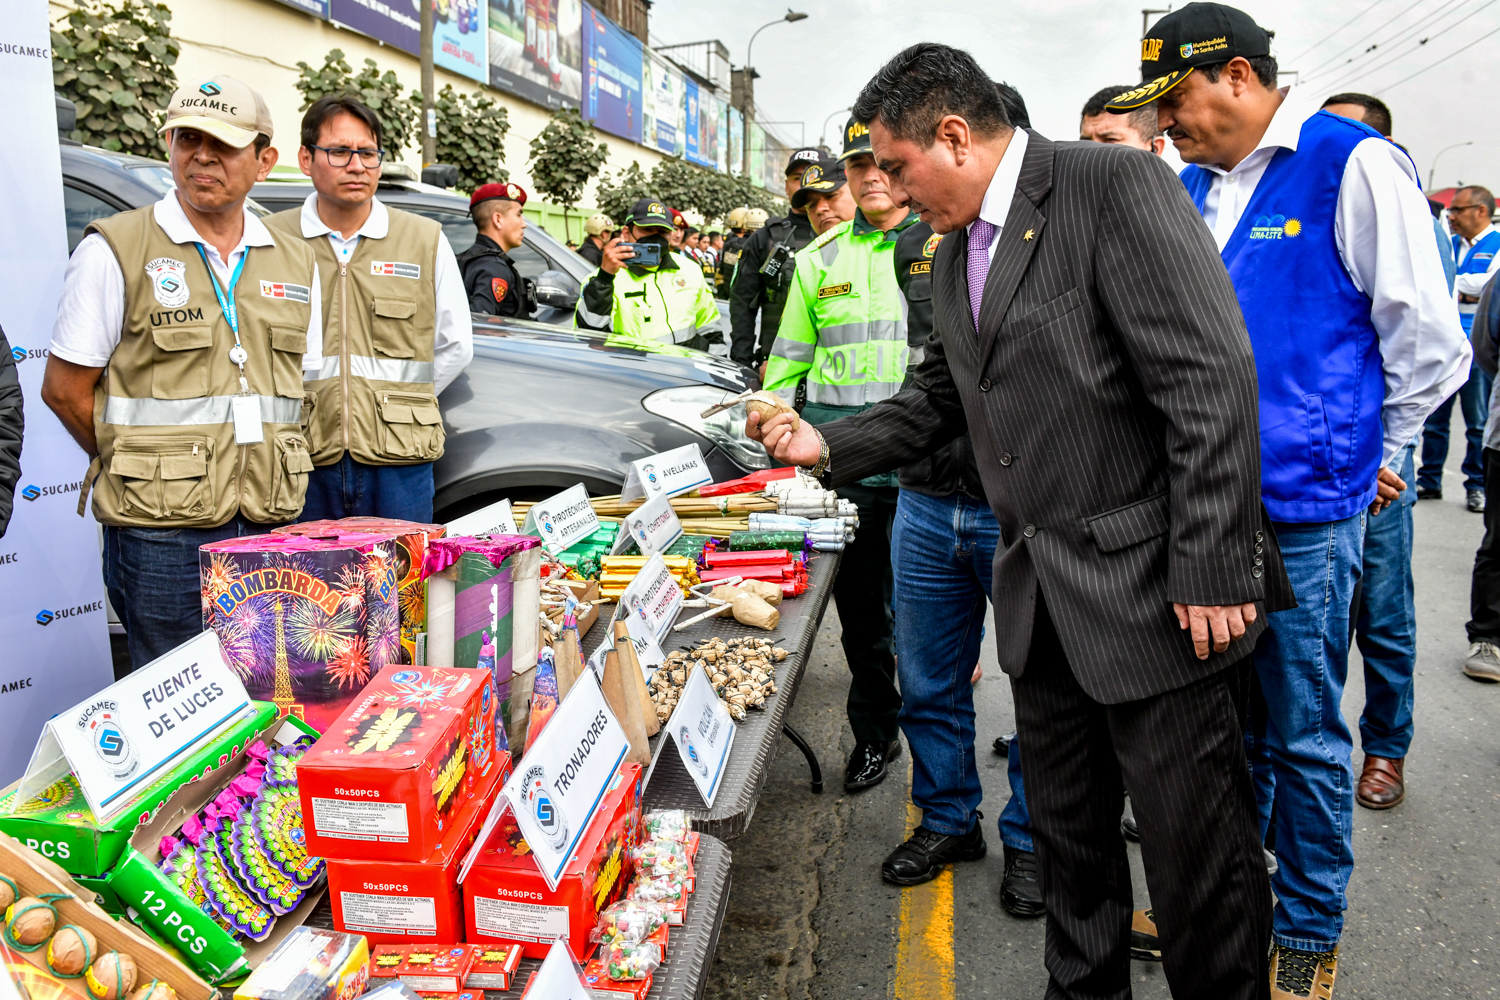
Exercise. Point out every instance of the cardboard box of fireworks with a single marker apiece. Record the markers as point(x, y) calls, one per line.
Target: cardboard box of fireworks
point(396, 772)
point(237, 877)
point(58, 823)
point(506, 899)
point(58, 901)
point(405, 901)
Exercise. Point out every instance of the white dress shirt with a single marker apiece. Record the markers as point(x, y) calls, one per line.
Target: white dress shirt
point(453, 339)
point(1472, 284)
point(91, 314)
point(1002, 189)
point(1383, 229)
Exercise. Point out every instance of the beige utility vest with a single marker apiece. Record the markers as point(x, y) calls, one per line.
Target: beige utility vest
point(162, 408)
point(374, 395)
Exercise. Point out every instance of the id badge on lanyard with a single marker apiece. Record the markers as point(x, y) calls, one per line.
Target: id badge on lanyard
point(244, 405)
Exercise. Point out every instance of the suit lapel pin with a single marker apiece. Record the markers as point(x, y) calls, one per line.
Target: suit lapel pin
point(1028, 235)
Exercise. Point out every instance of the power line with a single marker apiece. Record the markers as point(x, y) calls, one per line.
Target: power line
point(1440, 61)
point(1357, 74)
point(1335, 31)
point(1399, 36)
point(1369, 34)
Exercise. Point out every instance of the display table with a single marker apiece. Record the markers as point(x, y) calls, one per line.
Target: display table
point(760, 734)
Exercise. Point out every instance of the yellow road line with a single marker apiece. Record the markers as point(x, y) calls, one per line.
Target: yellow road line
point(924, 942)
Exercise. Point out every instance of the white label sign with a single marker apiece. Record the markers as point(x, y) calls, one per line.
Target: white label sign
point(654, 525)
point(525, 921)
point(670, 473)
point(654, 597)
point(555, 790)
point(366, 912)
point(559, 977)
point(347, 819)
point(703, 731)
point(128, 735)
point(496, 519)
point(647, 649)
point(563, 519)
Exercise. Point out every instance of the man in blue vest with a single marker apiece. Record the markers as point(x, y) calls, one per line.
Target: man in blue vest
point(1476, 248)
point(1327, 238)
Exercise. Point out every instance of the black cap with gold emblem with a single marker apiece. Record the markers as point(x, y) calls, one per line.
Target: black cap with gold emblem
point(856, 140)
point(824, 177)
point(1200, 34)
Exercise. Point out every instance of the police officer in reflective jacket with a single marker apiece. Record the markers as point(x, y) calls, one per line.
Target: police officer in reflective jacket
point(763, 276)
point(490, 277)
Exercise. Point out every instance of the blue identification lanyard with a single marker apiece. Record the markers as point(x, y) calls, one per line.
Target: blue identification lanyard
point(231, 314)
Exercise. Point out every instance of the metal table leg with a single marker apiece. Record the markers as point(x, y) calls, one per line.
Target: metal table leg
point(807, 751)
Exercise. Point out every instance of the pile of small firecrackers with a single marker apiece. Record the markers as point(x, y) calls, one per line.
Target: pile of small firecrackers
point(743, 672)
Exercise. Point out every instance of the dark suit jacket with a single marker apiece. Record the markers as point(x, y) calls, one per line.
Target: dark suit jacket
point(1110, 393)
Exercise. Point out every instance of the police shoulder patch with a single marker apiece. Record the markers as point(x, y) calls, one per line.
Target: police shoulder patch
point(930, 247)
point(829, 291)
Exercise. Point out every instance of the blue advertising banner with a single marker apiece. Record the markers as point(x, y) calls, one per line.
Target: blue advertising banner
point(662, 109)
point(611, 77)
point(690, 124)
point(395, 22)
point(459, 31)
point(535, 50)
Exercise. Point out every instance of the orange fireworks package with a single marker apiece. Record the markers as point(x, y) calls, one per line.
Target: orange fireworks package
point(306, 622)
point(395, 770)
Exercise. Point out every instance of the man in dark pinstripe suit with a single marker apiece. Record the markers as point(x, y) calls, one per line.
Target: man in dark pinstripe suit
point(1091, 345)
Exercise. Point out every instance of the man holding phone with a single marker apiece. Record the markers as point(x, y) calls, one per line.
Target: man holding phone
point(641, 292)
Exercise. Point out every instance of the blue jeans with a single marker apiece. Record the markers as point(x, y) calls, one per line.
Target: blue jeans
point(1386, 624)
point(1301, 748)
point(151, 575)
point(352, 489)
point(943, 554)
point(1474, 399)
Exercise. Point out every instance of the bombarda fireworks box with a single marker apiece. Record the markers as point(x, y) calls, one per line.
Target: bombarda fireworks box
point(414, 903)
point(410, 549)
point(506, 899)
point(305, 622)
point(394, 772)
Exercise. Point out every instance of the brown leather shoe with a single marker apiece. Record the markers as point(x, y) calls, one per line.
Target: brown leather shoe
point(1381, 784)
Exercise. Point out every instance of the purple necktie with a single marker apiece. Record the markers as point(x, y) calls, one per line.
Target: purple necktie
point(980, 234)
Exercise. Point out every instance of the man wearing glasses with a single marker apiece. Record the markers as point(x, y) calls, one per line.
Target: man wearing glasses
point(397, 324)
point(1476, 243)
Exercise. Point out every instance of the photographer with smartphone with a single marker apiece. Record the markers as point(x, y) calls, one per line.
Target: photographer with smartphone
point(645, 293)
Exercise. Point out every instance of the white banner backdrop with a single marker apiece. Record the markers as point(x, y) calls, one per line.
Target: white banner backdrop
point(55, 646)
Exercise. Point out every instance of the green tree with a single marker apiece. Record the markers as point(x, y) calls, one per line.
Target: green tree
point(616, 194)
point(470, 135)
point(564, 159)
point(380, 91)
point(114, 61)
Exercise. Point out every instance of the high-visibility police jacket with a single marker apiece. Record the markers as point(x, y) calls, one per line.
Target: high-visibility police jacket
point(163, 413)
point(670, 304)
point(843, 331)
point(374, 396)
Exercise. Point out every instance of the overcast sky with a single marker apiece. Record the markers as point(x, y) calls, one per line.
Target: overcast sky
point(1058, 52)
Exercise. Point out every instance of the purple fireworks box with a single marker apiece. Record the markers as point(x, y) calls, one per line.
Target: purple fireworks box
point(306, 622)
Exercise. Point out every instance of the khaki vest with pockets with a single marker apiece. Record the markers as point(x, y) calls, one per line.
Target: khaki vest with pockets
point(374, 395)
point(162, 408)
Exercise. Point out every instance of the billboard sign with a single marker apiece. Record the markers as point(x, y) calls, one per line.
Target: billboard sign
point(535, 50)
point(611, 77)
point(459, 37)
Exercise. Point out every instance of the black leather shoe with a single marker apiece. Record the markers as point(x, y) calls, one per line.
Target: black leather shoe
point(1130, 831)
point(1002, 744)
point(925, 854)
point(1020, 890)
point(1423, 493)
point(866, 767)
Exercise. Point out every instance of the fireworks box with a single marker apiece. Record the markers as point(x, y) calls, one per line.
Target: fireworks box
point(310, 964)
point(506, 899)
point(389, 776)
point(410, 540)
point(305, 622)
point(410, 901)
point(439, 968)
point(605, 988)
point(58, 824)
point(494, 967)
point(385, 959)
point(483, 610)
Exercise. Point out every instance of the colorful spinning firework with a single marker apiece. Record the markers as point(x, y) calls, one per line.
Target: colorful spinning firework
point(275, 818)
point(281, 765)
point(258, 875)
point(243, 913)
point(181, 866)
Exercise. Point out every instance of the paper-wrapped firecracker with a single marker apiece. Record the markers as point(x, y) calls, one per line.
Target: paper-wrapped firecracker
point(396, 769)
point(483, 610)
point(306, 622)
point(411, 540)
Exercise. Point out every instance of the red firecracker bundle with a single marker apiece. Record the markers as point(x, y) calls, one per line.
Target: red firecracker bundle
point(772, 565)
point(305, 622)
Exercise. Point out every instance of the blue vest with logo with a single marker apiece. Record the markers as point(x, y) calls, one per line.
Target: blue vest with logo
point(1317, 355)
point(1476, 262)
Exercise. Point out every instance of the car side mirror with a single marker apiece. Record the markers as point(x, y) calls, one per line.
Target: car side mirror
point(557, 289)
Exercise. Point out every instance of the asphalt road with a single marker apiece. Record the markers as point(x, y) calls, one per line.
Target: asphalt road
point(809, 916)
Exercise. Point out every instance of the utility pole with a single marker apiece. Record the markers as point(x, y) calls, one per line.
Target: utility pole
point(1146, 18)
point(429, 110)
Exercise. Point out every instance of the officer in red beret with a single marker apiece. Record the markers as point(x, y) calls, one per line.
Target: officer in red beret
point(490, 276)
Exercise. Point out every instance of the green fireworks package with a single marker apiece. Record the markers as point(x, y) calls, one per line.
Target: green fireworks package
point(306, 622)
